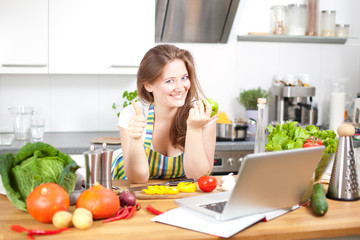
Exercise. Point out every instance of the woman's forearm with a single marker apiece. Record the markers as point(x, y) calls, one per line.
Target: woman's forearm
point(196, 162)
point(135, 162)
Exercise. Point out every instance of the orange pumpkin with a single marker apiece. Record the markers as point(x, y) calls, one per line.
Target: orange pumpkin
point(45, 200)
point(100, 201)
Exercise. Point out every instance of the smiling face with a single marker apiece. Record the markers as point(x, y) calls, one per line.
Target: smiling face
point(171, 88)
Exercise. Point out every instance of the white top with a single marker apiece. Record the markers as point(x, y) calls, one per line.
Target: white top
point(129, 111)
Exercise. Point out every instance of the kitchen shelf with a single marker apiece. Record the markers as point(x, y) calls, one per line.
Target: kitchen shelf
point(290, 39)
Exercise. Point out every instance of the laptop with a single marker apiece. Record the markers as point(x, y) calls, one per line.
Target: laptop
point(265, 182)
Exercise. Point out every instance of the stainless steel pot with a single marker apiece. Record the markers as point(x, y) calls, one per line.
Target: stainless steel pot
point(236, 131)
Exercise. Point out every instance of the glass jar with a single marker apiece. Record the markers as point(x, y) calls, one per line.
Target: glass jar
point(328, 23)
point(342, 30)
point(312, 6)
point(296, 19)
point(278, 20)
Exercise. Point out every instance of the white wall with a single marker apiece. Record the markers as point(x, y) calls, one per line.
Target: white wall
point(84, 102)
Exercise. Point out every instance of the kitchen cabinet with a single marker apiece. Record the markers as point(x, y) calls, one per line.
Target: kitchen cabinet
point(23, 36)
point(99, 36)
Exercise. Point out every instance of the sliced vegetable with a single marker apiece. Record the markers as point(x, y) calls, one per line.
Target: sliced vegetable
point(187, 187)
point(155, 189)
point(318, 200)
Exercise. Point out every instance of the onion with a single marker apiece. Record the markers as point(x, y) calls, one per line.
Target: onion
point(127, 198)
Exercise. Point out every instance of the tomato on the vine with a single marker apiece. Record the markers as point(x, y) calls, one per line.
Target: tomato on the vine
point(207, 183)
point(312, 142)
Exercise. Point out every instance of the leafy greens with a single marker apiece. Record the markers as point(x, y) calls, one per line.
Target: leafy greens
point(289, 136)
point(35, 164)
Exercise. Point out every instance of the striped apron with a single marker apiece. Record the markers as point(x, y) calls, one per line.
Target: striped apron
point(160, 166)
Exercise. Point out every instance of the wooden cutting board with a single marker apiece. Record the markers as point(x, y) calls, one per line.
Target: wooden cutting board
point(108, 140)
point(142, 195)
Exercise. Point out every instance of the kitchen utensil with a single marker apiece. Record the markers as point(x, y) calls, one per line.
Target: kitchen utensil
point(107, 140)
point(344, 177)
point(169, 183)
point(92, 167)
point(105, 167)
point(236, 131)
point(21, 116)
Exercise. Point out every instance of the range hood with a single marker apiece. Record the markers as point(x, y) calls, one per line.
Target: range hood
point(194, 21)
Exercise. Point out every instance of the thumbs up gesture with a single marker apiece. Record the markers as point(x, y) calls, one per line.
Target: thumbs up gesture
point(137, 123)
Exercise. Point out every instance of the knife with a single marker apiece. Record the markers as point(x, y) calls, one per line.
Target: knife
point(169, 183)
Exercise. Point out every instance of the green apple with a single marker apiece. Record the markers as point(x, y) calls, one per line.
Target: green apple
point(214, 106)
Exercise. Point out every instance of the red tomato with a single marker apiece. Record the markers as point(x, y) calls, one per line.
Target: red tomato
point(312, 142)
point(45, 200)
point(207, 183)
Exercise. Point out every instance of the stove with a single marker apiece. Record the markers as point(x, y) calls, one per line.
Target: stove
point(229, 155)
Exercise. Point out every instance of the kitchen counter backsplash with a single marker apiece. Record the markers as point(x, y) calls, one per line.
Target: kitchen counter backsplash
point(79, 142)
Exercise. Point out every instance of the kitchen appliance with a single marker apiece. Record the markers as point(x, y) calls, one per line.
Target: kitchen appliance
point(292, 103)
point(92, 166)
point(343, 183)
point(229, 161)
point(356, 118)
point(197, 21)
point(105, 166)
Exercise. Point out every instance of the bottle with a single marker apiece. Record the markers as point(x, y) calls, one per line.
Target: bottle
point(296, 19)
point(328, 23)
point(260, 127)
point(312, 18)
point(278, 20)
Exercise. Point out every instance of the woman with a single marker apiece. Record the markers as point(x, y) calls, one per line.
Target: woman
point(169, 133)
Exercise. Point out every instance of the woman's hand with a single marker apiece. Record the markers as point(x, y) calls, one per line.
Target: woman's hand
point(199, 115)
point(137, 123)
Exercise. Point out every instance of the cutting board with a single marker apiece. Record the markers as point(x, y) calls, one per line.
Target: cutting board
point(142, 195)
point(108, 140)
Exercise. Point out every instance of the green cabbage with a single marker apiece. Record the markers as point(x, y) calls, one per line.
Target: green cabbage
point(35, 164)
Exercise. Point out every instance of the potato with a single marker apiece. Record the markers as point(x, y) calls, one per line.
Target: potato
point(62, 219)
point(82, 218)
point(83, 210)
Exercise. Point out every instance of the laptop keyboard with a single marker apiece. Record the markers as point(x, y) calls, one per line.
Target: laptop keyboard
point(216, 207)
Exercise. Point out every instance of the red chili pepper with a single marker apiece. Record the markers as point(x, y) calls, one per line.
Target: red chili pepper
point(153, 210)
point(131, 213)
point(45, 232)
point(120, 211)
point(18, 228)
point(138, 206)
point(119, 217)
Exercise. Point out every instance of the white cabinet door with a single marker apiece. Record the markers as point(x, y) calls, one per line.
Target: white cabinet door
point(99, 36)
point(23, 36)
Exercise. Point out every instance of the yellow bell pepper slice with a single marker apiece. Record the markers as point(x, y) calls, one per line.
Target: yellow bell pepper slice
point(187, 187)
point(155, 189)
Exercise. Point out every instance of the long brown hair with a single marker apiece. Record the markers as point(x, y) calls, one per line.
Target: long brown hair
point(150, 70)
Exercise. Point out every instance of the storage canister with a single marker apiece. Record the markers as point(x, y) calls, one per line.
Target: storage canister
point(278, 20)
point(327, 23)
point(342, 30)
point(296, 19)
point(312, 14)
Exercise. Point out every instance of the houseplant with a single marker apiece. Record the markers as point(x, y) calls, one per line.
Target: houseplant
point(248, 98)
point(128, 97)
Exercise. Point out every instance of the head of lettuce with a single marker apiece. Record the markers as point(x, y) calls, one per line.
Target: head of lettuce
point(34, 164)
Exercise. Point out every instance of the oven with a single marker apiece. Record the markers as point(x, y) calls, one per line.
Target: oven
point(229, 155)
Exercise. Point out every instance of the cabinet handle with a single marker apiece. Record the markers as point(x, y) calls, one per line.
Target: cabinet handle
point(123, 66)
point(25, 65)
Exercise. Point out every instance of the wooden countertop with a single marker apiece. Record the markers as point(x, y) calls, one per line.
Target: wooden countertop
point(342, 219)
